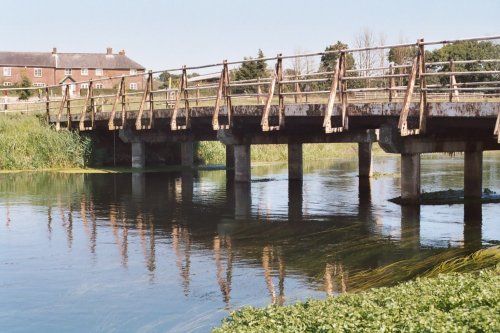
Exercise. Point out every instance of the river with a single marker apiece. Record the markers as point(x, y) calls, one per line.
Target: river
point(177, 251)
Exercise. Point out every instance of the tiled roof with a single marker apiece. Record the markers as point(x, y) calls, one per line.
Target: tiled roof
point(68, 60)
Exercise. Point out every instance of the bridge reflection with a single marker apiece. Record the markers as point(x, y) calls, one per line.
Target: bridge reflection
point(226, 223)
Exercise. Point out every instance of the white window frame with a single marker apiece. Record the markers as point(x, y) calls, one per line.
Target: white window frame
point(7, 71)
point(84, 72)
point(133, 71)
point(37, 72)
point(38, 84)
point(84, 86)
point(7, 84)
point(99, 86)
point(133, 86)
point(99, 72)
point(68, 71)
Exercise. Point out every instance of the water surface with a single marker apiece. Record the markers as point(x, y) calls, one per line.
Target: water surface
point(176, 252)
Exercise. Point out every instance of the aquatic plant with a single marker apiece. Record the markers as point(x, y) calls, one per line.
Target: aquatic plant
point(468, 302)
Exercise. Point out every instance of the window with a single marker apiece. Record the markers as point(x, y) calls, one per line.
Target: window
point(133, 86)
point(133, 71)
point(37, 72)
point(85, 72)
point(7, 71)
point(38, 84)
point(99, 72)
point(84, 86)
point(67, 71)
point(98, 86)
point(7, 84)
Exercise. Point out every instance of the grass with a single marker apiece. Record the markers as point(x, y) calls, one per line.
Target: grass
point(214, 152)
point(464, 299)
point(26, 142)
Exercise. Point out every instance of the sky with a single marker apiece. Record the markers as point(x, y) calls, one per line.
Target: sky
point(170, 33)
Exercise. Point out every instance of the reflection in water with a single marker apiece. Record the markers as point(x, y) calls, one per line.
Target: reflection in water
point(181, 242)
point(327, 234)
point(224, 281)
point(410, 227)
point(335, 275)
point(473, 216)
point(268, 258)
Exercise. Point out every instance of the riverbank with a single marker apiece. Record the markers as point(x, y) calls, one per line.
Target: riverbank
point(451, 302)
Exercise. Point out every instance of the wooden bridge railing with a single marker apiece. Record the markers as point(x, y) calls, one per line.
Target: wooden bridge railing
point(415, 80)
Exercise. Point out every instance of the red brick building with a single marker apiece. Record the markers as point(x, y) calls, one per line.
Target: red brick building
point(52, 68)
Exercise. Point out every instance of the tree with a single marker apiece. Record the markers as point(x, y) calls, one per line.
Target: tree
point(468, 50)
point(24, 94)
point(249, 70)
point(329, 60)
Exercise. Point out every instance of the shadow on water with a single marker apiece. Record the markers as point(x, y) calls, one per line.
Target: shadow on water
point(221, 244)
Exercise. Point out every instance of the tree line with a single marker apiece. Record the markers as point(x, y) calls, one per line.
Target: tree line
point(254, 68)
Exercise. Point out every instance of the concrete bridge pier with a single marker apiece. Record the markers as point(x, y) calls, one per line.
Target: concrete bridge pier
point(365, 159)
point(242, 167)
point(138, 154)
point(295, 161)
point(410, 177)
point(295, 200)
point(187, 154)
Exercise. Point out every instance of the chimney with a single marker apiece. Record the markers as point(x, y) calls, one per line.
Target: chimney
point(54, 50)
point(109, 51)
point(122, 52)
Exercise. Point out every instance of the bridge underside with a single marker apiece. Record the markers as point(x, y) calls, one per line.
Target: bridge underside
point(450, 127)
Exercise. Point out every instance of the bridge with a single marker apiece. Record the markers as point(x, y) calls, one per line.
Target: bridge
point(411, 108)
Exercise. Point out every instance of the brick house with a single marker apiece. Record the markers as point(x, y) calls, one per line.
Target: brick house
point(52, 68)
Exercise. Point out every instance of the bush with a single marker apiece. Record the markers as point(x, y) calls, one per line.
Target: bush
point(468, 302)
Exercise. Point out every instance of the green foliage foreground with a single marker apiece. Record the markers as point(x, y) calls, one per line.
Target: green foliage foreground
point(454, 302)
point(26, 142)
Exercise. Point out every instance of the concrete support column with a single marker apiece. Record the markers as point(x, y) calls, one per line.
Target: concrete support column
point(365, 159)
point(242, 163)
point(138, 154)
point(295, 170)
point(473, 174)
point(187, 154)
point(229, 157)
point(410, 177)
point(410, 227)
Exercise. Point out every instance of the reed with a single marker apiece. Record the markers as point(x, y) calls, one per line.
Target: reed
point(28, 143)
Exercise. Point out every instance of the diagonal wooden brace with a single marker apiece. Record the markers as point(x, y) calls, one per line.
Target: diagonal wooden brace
point(497, 128)
point(138, 121)
point(223, 92)
point(276, 78)
point(181, 91)
point(403, 118)
point(337, 83)
point(61, 107)
point(118, 96)
point(83, 113)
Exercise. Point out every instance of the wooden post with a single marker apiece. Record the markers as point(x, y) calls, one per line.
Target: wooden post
point(151, 99)
point(259, 92)
point(197, 93)
point(343, 91)
point(423, 93)
point(182, 90)
point(453, 83)
point(123, 94)
point(47, 103)
point(281, 97)
point(391, 81)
